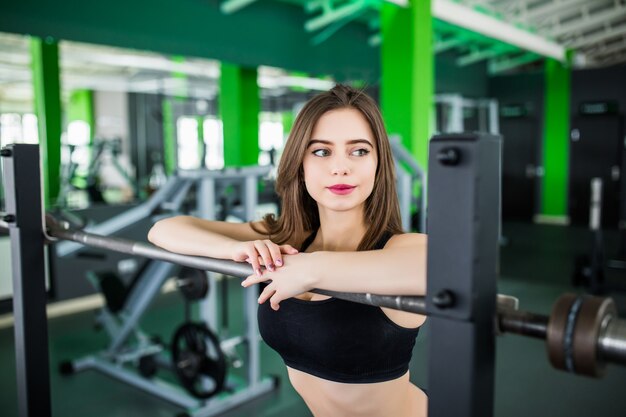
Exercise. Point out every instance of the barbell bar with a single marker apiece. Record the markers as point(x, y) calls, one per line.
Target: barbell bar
point(582, 334)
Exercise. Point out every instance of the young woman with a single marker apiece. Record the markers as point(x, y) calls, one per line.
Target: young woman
point(336, 180)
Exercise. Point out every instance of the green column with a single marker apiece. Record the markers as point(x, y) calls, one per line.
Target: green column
point(239, 106)
point(555, 138)
point(170, 144)
point(407, 68)
point(47, 91)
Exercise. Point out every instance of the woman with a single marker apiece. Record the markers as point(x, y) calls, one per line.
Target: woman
point(339, 206)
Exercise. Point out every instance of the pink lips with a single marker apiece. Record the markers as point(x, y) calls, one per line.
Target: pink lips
point(341, 189)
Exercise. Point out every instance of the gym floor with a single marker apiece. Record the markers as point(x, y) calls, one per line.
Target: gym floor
point(536, 264)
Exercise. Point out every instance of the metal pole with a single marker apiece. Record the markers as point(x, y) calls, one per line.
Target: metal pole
point(206, 210)
point(21, 173)
point(462, 257)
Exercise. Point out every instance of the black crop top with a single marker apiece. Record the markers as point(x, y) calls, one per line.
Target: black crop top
point(338, 340)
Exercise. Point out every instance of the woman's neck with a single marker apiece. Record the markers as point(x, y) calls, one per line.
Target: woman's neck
point(339, 231)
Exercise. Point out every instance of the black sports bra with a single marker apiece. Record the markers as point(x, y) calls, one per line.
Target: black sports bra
point(338, 340)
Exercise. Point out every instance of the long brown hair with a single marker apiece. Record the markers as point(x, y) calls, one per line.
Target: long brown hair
point(300, 214)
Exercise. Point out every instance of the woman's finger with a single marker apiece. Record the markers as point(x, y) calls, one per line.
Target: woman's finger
point(254, 259)
point(254, 279)
point(263, 250)
point(274, 301)
point(267, 293)
point(288, 249)
point(274, 249)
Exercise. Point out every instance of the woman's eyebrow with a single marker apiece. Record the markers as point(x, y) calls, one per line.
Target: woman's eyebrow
point(350, 142)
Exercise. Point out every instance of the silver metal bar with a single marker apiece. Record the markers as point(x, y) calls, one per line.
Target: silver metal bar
point(178, 197)
point(405, 192)
point(524, 323)
point(612, 342)
point(236, 173)
point(218, 406)
point(415, 304)
point(124, 220)
point(206, 210)
point(494, 124)
point(250, 294)
point(156, 387)
point(139, 300)
point(612, 345)
point(595, 206)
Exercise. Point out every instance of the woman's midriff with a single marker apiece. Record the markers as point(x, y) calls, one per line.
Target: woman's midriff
point(398, 397)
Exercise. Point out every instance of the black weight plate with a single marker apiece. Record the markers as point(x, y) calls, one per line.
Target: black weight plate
point(197, 354)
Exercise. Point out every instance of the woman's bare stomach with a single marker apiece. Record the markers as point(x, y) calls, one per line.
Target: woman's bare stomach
point(397, 398)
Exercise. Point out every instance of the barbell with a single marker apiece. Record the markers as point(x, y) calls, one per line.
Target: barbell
point(583, 333)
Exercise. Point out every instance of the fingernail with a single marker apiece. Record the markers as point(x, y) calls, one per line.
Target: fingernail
point(243, 283)
point(279, 262)
point(258, 271)
point(270, 267)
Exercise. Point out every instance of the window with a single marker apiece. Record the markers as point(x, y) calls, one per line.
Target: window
point(214, 142)
point(16, 128)
point(188, 146)
point(270, 136)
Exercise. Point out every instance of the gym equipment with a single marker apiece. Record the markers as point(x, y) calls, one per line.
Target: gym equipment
point(462, 303)
point(452, 114)
point(590, 268)
point(409, 175)
point(137, 352)
point(134, 357)
point(196, 351)
point(100, 148)
point(595, 129)
point(193, 284)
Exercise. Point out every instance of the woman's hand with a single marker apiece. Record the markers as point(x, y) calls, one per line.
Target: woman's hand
point(261, 252)
point(295, 277)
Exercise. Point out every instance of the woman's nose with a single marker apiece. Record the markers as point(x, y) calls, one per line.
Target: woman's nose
point(341, 170)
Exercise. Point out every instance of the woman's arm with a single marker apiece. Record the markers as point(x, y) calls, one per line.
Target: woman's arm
point(398, 269)
point(223, 240)
point(193, 236)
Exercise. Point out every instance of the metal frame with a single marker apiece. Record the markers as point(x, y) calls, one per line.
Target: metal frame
point(29, 295)
point(462, 273)
point(409, 174)
point(488, 117)
point(122, 350)
point(463, 322)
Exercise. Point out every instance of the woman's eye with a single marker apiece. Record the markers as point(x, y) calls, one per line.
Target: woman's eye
point(321, 152)
point(361, 152)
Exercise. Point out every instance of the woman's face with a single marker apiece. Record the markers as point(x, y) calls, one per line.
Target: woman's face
point(340, 160)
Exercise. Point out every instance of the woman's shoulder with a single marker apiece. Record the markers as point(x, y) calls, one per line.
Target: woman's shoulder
point(400, 240)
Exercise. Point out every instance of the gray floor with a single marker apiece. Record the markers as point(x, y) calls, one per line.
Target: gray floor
point(534, 268)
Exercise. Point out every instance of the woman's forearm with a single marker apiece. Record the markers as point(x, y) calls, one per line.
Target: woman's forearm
point(183, 234)
point(397, 271)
